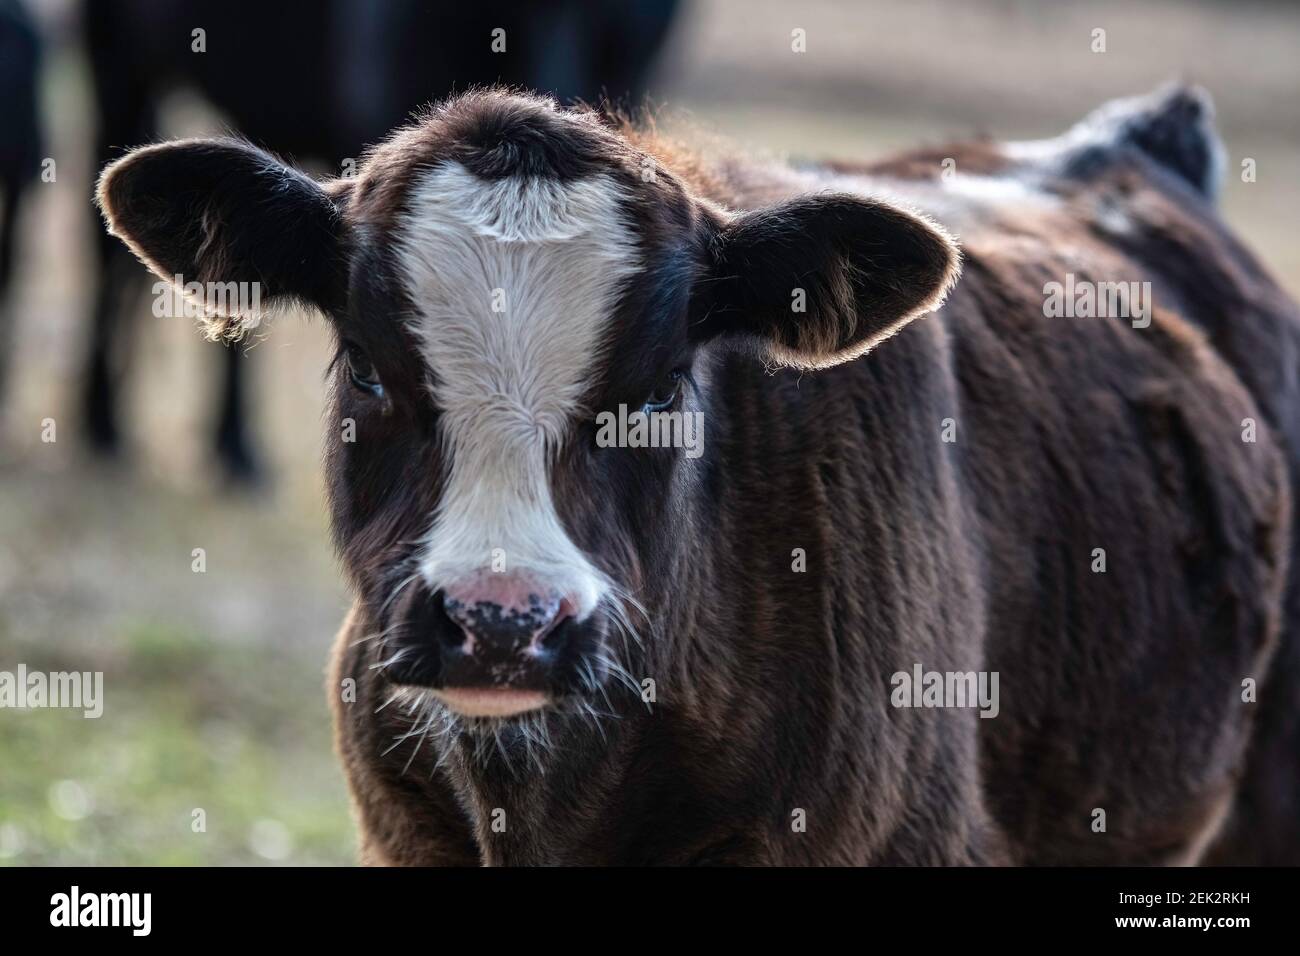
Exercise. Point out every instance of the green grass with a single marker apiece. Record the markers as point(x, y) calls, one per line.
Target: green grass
point(240, 732)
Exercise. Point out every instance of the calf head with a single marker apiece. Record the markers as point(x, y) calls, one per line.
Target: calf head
point(497, 275)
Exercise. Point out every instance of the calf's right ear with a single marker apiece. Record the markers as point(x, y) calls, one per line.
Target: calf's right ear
point(223, 211)
point(822, 278)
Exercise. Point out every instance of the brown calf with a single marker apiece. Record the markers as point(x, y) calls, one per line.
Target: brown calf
point(1002, 584)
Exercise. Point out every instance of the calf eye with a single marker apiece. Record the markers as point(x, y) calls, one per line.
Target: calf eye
point(362, 370)
point(665, 393)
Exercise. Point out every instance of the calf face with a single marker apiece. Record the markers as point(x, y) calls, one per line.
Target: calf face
point(499, 274)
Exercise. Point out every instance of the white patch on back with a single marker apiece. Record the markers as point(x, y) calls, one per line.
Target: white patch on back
point(553, 257)
point(993, 190)
point(959, 203)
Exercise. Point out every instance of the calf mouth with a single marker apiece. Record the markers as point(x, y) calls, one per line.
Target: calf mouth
point(516, 693)
point(491, 702)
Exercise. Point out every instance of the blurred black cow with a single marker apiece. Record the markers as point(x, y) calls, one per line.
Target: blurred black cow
point(319, 81)
point(20, 142)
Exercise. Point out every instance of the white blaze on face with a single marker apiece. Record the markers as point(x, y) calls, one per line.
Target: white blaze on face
point(513, 282)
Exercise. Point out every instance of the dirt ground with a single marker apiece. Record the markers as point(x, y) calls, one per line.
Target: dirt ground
point(213, 679)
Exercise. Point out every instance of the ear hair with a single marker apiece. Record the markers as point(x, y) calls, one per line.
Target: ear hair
point(219, 212)
point(824, 278)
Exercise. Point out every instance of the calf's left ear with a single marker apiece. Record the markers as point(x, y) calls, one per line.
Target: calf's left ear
point(823, 278)
point(222, 211)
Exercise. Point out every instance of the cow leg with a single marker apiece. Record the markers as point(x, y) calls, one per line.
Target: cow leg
point(8, 225)
point(104, 360)
point(234, 447)
point(125, 116)
point(20, 158)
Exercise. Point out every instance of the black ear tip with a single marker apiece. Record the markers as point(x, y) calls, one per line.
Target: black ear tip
point(1177, 131)
point(1188, 101)
point(1172, 126)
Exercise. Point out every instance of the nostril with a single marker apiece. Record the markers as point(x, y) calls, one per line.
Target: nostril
point(443, 622)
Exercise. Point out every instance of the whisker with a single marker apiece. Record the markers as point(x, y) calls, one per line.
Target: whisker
point(378, 634)
point(427, 724)
point(396, 591)
point(620, 673)
point(381, 665)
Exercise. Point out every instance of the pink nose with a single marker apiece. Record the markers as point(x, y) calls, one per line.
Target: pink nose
point(505, 613)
